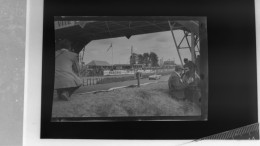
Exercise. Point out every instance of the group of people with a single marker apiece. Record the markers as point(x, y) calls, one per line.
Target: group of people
point(183, 82)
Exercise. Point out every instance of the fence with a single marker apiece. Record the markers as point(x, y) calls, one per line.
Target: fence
point(89, 81)
point(92, 81)
point(126, 72)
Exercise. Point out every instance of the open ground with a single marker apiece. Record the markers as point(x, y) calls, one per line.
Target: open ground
point(148, 100)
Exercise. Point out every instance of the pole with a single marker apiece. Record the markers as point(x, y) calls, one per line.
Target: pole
point(138, 78)
point(112, 55)
point(192, 49)
point(175, 42)
point(83, 56)
point(111, 44)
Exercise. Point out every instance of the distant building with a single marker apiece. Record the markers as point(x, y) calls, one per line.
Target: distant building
point(169, 64)
point(138, 66)
point(122, 66)
point(95, 68)
point(96, 63)
point(127, 66)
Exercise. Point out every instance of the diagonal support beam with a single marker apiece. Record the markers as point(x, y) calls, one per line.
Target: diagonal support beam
point(182, 40)
point(193, 54)
point(175, 42)
point(192, 46)
point(186, 36)
point(197, 43)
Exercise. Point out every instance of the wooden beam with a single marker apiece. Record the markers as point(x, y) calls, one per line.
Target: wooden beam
point(175, 43)
point(193, 54)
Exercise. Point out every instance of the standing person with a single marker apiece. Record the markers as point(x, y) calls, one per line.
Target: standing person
point(66, 70)
point(176, 84)
point(191, 68)
point(198, 64)
point(192, 92)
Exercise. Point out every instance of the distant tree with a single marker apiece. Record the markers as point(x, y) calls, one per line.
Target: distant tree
point(133, 59)
point(154, 59)
point(146, 58)
point(140, 59)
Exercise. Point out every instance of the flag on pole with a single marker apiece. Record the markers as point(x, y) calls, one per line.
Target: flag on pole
point(109, 47)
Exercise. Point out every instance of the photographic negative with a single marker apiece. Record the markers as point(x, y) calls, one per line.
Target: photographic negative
point(130, 68)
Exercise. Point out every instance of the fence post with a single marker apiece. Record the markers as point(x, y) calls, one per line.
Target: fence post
point(138, 78)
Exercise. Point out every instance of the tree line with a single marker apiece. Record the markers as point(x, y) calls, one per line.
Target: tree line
point(148, 59)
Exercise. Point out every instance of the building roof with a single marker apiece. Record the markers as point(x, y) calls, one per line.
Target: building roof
point(98, 63)
point(82, 30)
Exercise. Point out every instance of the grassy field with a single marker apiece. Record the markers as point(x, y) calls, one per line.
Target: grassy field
point(149, 100)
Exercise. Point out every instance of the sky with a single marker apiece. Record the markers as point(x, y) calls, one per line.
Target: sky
point(161, 43)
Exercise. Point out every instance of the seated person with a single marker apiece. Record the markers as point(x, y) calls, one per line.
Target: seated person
point(176, 84)
point(192, 92)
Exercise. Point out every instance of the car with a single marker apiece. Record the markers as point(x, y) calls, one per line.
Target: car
point(154, 77)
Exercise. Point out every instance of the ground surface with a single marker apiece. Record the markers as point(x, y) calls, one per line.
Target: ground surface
point(148, 100)
point(117, 84)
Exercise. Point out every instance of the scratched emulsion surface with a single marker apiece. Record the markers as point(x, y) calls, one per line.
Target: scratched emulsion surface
point(12, 62)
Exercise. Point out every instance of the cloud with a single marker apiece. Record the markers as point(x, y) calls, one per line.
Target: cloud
point(156, 46)
point(160, 46)
point(162, 39)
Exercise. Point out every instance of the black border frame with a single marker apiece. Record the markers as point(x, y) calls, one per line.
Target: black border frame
point(232, 69)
